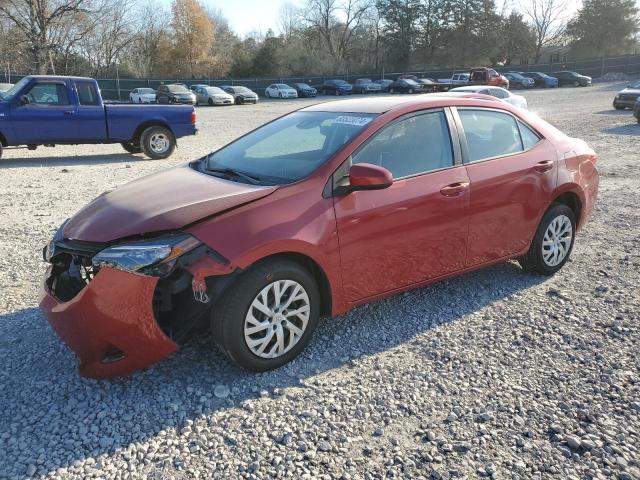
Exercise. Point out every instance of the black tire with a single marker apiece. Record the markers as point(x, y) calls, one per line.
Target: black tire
point(210, 103)
point(132, 148)
point(1, 149)
point(267, 94)
point(151, 151)
point(391, 90)
point(576, 84)
point(228, 315)
point(533, 261)
point(618, 107)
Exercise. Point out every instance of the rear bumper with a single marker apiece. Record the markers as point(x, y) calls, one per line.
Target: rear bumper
point(110, 324)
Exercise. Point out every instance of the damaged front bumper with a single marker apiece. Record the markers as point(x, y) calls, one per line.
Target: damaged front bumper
point(118, 321)
point(110, 324)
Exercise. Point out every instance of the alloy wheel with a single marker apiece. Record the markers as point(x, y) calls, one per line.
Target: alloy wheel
point(159, 143)
point(277, 319)
point(556, 242)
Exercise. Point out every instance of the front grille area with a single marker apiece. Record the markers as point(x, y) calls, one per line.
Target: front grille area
point(71, 267)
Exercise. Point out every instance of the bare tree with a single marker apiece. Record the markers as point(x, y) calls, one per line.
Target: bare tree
point(104, 45)
point(336, 21)
point(548, 19)
point(289, 20)
point(46, 26)
point(151, 30)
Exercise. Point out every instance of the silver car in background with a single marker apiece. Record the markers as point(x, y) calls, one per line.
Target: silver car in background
point(212, 96)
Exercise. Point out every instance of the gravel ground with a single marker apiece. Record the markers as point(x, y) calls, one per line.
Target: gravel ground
point(492, 374)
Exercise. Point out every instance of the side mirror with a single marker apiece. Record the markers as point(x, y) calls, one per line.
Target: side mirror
point(24, 100)
point(365, 176)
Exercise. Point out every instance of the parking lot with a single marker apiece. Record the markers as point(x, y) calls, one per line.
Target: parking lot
point(492, 374)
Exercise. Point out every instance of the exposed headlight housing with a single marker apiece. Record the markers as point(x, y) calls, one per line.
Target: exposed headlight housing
point(155, 257)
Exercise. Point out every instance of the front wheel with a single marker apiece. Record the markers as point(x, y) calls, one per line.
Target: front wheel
point(618, 107)
point(210, 103)
point(553, 241)
point(131, 147)
point(157, 142)
point(1, 150)
point(268, 316)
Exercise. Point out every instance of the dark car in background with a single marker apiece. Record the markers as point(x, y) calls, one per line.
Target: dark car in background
point(519, 81)
point(336, 87)
point(572, 78)
point(425, 82)
point(240, 94)
point(384, 83)
point(175, 93)
point(366, 85)
point(405, 85)
point(627, 97)
point(305, 90)
point(541, 79)
point(636, 110)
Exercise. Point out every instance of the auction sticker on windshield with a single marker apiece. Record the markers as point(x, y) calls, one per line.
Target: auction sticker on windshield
point(352, 120)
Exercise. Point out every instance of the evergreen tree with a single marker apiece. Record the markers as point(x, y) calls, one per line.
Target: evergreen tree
point(604, 27)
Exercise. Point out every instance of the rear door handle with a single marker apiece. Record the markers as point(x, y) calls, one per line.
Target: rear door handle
point(454, 189)
point(69, 112)
point(544, 166)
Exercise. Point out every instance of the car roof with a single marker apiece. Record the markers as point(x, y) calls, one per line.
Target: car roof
point(470, 88)
point(60, 77)
point(386, 104)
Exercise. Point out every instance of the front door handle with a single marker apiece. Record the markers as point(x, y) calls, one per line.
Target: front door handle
point(454, 189)
point(544, 166)
point(69, 112)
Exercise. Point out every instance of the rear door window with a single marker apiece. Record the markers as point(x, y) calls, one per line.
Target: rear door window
point(87, 94)
point(529, 137)
point(490, 134)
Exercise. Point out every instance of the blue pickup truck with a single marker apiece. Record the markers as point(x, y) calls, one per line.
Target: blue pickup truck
point(50, 110)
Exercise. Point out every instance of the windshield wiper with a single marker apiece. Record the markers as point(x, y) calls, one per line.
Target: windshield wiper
point(235, 173)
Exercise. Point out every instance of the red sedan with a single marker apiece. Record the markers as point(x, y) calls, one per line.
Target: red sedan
point(324, 209)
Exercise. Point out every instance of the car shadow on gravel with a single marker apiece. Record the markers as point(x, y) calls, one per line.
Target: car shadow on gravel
point(69, 161)
point(613, 111)
point(52, 418)
point(632, 129)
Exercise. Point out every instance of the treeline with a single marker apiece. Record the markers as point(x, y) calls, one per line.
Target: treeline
point(190, 38)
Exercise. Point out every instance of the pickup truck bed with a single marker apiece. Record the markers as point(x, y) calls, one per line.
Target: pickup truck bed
point(48, 110)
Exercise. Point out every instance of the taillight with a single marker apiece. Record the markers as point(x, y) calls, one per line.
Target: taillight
point(193, 117)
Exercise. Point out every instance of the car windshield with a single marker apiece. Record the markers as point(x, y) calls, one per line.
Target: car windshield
point(146, 91)
point(340, 82)
point(364, 80)
point(289, 148)
point(178, 89)
point(12, 92)
point(241, 90)
point(214, 90)
point(282, 85)
point(410, 82)
point(635, 85)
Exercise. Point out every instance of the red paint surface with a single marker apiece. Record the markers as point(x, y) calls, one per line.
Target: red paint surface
point(114, 310)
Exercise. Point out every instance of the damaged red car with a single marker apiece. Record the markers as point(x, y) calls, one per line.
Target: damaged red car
point(316, 212)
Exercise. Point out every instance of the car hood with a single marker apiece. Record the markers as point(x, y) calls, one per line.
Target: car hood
point(632, 91)
point(163, 201)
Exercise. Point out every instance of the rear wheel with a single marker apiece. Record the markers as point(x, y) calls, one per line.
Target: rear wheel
point(157, 142)
point(131, 147)
point(552, 243)
point(618, 107)
point(1, 148)
point(268, 316)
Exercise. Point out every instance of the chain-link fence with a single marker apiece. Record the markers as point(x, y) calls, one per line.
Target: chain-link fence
point(118, 88)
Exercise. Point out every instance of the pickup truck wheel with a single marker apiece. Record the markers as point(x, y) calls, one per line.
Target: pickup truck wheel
point(0, 150)
point(132, 148)
point(157, 142)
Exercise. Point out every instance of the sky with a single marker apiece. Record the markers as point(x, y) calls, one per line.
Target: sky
point(247, 16)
